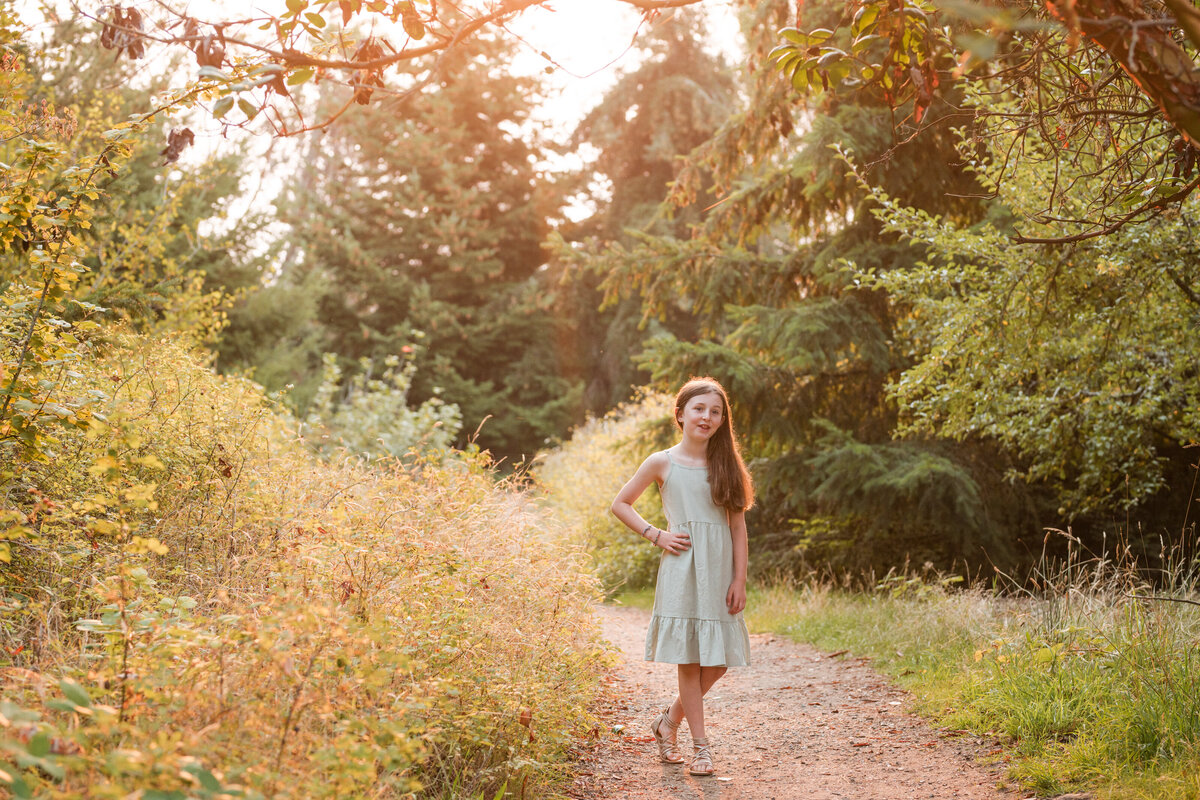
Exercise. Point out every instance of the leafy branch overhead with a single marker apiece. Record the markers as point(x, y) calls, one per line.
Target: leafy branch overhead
point(1105, 88)
point(255, 61)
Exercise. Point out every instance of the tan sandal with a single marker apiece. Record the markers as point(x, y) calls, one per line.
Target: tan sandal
point(668, 750)
point(702, 760)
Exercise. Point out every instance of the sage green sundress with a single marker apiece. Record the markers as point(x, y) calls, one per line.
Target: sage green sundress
point(690, 623)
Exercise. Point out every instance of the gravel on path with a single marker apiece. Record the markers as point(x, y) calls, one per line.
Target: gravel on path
point(797, 723)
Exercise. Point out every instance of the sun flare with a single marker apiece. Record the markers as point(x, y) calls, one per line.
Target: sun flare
point(580, 37)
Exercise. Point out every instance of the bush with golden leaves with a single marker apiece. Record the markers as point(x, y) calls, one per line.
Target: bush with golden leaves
point(200, 607)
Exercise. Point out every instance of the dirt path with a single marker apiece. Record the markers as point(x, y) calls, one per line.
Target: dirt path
point(798, 723)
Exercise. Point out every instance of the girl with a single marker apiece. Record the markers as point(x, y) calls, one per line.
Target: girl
point(701, 589)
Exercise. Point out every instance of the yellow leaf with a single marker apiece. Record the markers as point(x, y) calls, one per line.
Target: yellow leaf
point(146, 544)
point(151, 461)
point(104, 464)
point(141, 493)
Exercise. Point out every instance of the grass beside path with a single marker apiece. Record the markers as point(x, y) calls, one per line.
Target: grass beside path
point(1086, 688)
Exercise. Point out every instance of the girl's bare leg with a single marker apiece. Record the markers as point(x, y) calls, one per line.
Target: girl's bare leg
point(694, 683)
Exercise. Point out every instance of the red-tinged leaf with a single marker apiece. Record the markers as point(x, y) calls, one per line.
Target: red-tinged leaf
point(177, 140)
point(278, 86)
point(918, 111)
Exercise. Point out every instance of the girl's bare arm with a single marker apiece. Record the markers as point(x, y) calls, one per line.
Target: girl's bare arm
point(735, 598)
point(652, 470)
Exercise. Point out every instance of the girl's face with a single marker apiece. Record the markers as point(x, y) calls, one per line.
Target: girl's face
point(702, 415)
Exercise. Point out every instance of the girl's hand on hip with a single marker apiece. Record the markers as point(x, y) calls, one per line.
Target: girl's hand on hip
point(735, 598)
point(674, 542)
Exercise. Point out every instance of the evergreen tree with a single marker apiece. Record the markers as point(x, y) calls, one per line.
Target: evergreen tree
point(421, 227)
point(805, 350)
point(1059, 328)
point(656, 113)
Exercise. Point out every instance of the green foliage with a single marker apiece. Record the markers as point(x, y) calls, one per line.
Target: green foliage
point(47, 196)
point(668, 105)
point(192, 603)
point(1080, 360)
point(914, 382)
point(272, 334)
point(372, 416)
point(892, 52)
point(901, 489)
point(804, 347)
point(147, 260)
point(89, 229)
point(1085, 77)
point(581, 477)
point(656, 113)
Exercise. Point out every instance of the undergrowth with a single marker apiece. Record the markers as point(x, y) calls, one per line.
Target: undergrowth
point(580, 478)
point(1091, 680)
point(198, 606)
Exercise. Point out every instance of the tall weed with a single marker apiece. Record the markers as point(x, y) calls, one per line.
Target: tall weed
point(199, 607)
point(580, 479)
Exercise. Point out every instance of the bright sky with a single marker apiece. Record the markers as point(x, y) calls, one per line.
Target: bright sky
point(589, 41)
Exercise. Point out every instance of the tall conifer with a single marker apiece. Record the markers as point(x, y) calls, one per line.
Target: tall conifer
point(656, 113)
point(422, 223)
point(806, 352)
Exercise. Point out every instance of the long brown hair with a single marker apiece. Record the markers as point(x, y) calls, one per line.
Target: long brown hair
point(728, 478)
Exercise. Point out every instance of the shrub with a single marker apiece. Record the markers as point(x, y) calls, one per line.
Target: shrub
point(199, 607)
point(370, 416)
